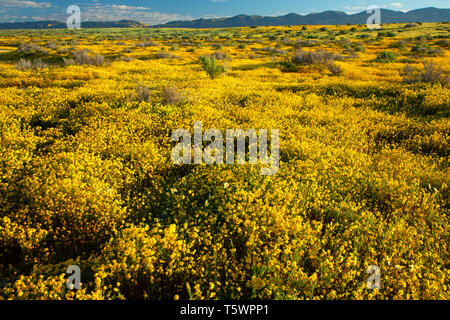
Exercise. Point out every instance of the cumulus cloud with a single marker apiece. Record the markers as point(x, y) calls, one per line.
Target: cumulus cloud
point(128, 8)
point(90, 11)
point(396, 5)
point(24, 4)
point(354, 8)
point(108, 12)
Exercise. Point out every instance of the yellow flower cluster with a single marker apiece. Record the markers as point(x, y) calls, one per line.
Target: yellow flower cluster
point(86, 177)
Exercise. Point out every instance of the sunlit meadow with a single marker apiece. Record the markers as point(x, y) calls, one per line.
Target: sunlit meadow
point(86, 118)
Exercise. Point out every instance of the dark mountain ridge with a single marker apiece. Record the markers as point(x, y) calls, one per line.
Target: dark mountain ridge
point(323, 18)
point(62, 25)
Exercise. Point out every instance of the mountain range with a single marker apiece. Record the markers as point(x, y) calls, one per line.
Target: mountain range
point(62, 25)
point(323, 18)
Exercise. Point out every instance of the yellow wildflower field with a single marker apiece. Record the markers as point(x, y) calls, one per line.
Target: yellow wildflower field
point(87, 180)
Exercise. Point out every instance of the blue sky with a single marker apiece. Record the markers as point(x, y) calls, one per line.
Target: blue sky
point(159, 11)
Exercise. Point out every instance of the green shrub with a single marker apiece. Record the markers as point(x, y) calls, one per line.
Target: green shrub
point(443, 43)
point(210, 65)
point(386, 57)
point(420, 48)
point(360, 48)
point(401, 44)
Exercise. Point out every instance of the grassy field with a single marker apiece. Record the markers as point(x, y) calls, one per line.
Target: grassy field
point(86, 119)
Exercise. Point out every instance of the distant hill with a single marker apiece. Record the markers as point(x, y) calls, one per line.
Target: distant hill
point(324, 18)
point(62, 25)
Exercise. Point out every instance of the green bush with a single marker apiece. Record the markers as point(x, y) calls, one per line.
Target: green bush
point(210, 65)
point(360, 48)
point(386, 57)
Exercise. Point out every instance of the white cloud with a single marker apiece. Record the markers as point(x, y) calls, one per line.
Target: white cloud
point(396, 5)
point(128, 8)
point(90, 11)
point(355, 8)
point(108, 12)
point(24, 4)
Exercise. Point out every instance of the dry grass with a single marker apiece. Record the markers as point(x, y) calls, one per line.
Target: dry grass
point(30, 48)
point(26, 64)
point(312, 57)
point(143, 93)
point(172, 96)
point(431, 73)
